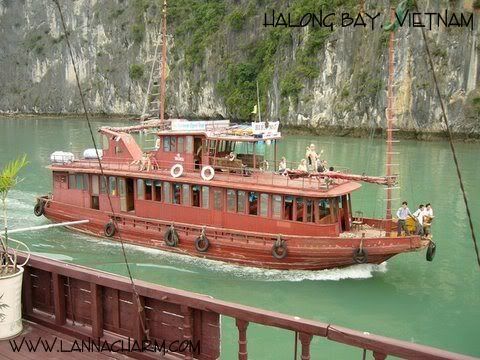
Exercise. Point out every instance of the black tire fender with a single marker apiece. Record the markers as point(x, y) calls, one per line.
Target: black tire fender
point(360, 256)
point(279, 249)
point(431, 250)
point(171, 237)
point(39, 208)
point(201, 243)
point(109, 229)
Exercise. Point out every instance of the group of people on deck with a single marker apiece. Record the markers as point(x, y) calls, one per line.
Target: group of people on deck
point(310, 163)
point(422, 216)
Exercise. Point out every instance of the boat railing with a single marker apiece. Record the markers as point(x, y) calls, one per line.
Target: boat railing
point(92, 304)
point(244, 175)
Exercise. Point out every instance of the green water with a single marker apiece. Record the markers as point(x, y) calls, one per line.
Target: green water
point(407, 298)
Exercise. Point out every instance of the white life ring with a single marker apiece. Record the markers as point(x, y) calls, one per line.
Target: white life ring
point(176, 170)
point(207, 173)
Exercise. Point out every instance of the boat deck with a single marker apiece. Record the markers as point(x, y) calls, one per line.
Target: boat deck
point(258, 179)
point(61, 342)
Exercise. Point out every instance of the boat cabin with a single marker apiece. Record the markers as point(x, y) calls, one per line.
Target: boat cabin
point(241, 196)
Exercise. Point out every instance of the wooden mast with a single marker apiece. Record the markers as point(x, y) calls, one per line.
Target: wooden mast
point(390, 119)
point(164, 63)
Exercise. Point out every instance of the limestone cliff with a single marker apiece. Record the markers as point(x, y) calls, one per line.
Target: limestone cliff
point(219, 50)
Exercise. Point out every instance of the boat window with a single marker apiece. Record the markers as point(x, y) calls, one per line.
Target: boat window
point(166, 143)
point(241, 199)
point(189, 145)
point(300, 208)
point(118, 150)
point(95, 185)
point(173, 144)
point(177, 189)
point(277, 206)
point(186, 194)
point(180, 148)
point(166, 192)
point(253, 203)
point(112, 185)
point(217, 199)
point(323, 208)
point(148, 189)
point(264, 204)
point(103, 185)
point(106, 142)
point(121, 187)
point(309, 206)
point(231, 203)
point(71, 181)
point(196, 195)
point(333, 209)
point(79, 182)
point(205, 197)
point(85, 182)
point(158, 190)
point(140, 189)
point(288, 208)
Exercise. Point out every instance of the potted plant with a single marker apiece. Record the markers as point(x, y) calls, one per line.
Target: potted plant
point(11, 273)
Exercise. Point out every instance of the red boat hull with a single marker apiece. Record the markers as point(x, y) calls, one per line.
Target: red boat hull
point(238, 247)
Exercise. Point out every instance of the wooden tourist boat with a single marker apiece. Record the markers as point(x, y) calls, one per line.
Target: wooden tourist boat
point(191, 197)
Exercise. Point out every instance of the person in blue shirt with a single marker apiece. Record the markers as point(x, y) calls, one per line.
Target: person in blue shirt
point(402, 214)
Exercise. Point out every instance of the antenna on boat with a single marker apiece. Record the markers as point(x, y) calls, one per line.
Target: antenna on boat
point(258, 105)
point(164, 63)
point(390, 121)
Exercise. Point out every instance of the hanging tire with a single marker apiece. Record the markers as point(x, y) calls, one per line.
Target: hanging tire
point(432, 248)
point(279, 249)
point(360, 256)
point(176, 170)
point(171, 237)
point(39, 208)
point(201, 243)
point(109, 229)
point(207, 173)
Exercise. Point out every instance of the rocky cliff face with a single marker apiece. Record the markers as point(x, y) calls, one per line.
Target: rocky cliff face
point(219, 50)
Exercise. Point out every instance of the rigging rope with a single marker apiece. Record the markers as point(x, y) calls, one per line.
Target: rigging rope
point(450, 140)
point(103, 178)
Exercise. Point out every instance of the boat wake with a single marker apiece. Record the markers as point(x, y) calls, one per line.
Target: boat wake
point(199, 265)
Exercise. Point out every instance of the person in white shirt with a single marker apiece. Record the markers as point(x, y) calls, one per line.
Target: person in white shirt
point(418, 215)
point(427, 219)
point(402, 213)
point(282, 167)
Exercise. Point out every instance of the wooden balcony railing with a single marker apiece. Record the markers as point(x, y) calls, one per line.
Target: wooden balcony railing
point(87, 303)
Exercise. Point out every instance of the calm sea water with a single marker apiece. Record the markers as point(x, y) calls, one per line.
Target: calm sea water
point(407, 298)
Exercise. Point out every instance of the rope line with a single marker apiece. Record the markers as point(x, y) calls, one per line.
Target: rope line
point(103, 178)
point(450, 140)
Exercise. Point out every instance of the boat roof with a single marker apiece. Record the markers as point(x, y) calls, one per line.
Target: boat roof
point(211, 129)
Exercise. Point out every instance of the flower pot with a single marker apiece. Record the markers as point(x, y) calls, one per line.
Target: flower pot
point(11, 305)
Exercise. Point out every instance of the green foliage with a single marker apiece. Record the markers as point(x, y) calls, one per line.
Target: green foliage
point(136, 71)
point(138, 32)
point(196, 23)
point(476, 4)
point(8, 180)
point(236, 20)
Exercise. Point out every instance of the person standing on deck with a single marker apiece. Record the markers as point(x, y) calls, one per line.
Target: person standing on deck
point(312, 158)
point(427, 219)
point(308, 151)
point(402, 213)
point(282, 167)
point(303, 165)
point(418, 215)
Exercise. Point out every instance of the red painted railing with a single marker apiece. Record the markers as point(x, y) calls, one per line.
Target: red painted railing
point(82, 302)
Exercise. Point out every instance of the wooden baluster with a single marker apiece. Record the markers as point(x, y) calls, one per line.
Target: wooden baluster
point(379, 356)
point(96, 294)
point(59, 299)
point(188, 329)
point(305, 339)
point(242, 339)
point(27, 291)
